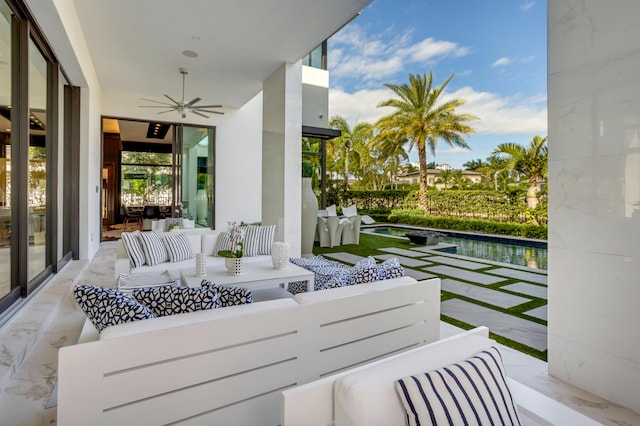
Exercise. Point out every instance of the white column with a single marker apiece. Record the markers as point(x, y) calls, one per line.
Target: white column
point(281, 153)
point(594, 197)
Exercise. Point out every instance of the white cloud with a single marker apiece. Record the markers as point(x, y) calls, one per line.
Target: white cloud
point(369, 57)
point(527, 5)
point(498, 115)
point(501, 62)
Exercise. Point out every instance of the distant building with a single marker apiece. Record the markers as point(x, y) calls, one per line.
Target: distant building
point(432, 176)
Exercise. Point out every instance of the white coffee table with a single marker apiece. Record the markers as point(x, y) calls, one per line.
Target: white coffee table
point(254, 275)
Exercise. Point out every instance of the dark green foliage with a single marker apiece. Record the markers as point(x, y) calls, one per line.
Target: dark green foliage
point(416, 217)
point(307, 169)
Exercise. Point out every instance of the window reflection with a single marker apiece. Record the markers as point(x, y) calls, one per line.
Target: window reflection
point(5, 149)
point(37, 178)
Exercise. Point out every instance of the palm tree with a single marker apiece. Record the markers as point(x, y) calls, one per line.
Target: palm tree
point(344, 144)
point(530, 162)
point(392, 155)
point(495, 169)
point(445, 177)
point(421, 118)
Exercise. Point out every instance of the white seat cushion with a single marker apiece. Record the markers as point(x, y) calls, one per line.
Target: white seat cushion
point(368, 397)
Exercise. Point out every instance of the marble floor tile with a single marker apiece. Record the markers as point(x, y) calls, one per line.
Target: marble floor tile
point(459, 263)
point(404, 261)
point(520, 275)
point(483, 294)
point(520, 330)
point(528, 289)
point(462, 274)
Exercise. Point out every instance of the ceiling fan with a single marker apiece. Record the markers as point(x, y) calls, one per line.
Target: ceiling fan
point(181, 106)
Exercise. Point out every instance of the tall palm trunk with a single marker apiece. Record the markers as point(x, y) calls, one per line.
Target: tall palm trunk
point(422, 161)
point(346, 164)
point(532, 193)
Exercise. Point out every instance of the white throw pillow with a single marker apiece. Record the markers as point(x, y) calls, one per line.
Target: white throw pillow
point(331, 210)
point(350, 211)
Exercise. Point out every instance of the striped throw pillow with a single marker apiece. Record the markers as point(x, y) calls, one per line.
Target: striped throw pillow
point(473, 391)
point(154, 250)
point(133, 247)
point(178, 247)
point(223, 242)
point(258, 239)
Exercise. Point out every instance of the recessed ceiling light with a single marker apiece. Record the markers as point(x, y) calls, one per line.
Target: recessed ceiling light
point(189, 53)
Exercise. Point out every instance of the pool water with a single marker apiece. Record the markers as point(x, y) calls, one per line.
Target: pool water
point(499, 249)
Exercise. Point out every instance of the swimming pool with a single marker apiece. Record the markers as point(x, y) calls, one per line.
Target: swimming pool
point(517, 251)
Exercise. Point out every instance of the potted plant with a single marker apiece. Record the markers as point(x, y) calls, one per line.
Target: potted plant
point(233, 261)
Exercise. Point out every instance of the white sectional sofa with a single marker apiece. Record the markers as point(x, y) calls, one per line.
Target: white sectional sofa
point(230, 365)
point(365, 395)
point(203, 240)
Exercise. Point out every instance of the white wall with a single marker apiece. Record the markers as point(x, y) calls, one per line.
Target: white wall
point(239, 165)
point(594, 196)
point(282, 153)
point(315, 97)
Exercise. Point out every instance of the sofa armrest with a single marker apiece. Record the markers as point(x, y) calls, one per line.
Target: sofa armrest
point(122, 266)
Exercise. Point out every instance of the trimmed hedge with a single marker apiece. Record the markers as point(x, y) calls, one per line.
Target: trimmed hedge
point(417, 218)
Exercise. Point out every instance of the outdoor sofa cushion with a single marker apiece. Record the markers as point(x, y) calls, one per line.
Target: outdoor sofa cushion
point(106, 307)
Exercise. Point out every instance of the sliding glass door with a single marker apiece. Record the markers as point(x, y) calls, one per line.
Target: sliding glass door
point(197, 174)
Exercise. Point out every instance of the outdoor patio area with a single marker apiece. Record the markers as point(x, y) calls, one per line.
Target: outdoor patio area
point(475, 292)
point(511, 300)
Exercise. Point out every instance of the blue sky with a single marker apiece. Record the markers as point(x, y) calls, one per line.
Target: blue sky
point(497, 50)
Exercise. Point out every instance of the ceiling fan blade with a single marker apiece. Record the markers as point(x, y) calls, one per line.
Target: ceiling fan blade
point(158, 106)
point(200, 114)
point(169, 110)
point(172, 100)
point(209, 106)
point(193, 102)
point(210, 112)
point(158, 102)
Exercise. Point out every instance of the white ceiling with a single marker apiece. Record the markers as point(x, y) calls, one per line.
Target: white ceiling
point(136, 46)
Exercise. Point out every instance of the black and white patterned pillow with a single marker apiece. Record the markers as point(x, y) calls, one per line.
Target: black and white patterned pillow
point(154, 250)
point(172, 223)
point(133, 247)
point(311, 263)
point(389, 269)
point(223, 242)
point(295, 287)
point(230, 295)
point(105, 306)
point(365, 271)
point(258, 239)
point(178, 247)
point(473, 391)
point(338, 276)
point(170, 300)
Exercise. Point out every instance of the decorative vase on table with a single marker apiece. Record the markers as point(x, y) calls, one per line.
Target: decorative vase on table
point(309, 217)
point(233, 265)
point(279, 254)
point(201, 264)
